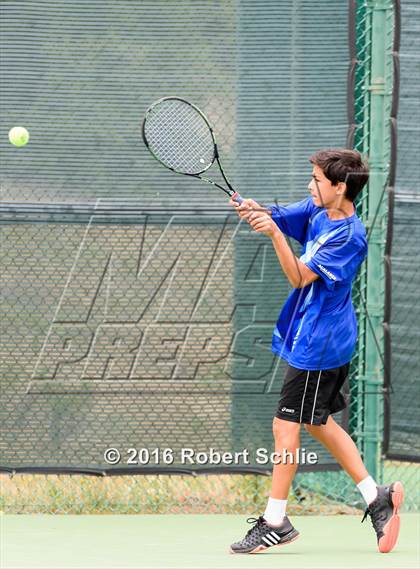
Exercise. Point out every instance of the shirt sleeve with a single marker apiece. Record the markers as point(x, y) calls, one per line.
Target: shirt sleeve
point(293, 219)
point(338, 260)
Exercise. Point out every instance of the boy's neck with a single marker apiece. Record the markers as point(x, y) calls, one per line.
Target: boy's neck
point(341, 210)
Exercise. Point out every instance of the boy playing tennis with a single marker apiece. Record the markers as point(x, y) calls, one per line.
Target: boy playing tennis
point(316, 334)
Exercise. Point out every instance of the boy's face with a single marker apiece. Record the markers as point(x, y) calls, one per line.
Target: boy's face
point(324, 194)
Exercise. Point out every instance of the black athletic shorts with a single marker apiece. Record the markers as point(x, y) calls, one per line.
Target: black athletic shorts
point(311, 396)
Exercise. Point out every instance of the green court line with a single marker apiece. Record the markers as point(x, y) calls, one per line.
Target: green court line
point(190, 541)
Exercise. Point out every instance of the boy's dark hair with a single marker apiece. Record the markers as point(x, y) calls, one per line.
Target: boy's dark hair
point(343, 165)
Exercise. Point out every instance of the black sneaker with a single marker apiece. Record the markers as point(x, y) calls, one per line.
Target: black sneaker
point(384, 515)
point(262, 536)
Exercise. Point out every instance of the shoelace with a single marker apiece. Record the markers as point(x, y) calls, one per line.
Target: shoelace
point(256, 522)
point(366, 514)
point(375, 516)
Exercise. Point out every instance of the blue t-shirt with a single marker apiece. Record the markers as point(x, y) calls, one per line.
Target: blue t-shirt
point(317, 327)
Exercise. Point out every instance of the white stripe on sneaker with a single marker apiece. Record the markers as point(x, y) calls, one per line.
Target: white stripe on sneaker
point(316, 393)
point(271, 538)
point(303, 398)
point(275, 536)
point(267, 541)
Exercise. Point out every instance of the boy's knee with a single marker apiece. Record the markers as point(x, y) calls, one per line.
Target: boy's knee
point(285, 431)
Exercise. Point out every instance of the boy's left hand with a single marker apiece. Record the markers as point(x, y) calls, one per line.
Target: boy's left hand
point(262, 223)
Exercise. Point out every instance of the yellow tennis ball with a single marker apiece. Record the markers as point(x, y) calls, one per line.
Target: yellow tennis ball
point(18, 136)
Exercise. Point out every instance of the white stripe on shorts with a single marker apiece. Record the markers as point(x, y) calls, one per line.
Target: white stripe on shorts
point(316, 393)
point(303, 398)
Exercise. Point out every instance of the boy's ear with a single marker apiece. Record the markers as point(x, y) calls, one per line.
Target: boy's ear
point(341, 188)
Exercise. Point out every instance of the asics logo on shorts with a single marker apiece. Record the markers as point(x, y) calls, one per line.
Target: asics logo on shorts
point(286, 410)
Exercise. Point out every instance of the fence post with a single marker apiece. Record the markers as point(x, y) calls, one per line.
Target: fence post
point(380, 22)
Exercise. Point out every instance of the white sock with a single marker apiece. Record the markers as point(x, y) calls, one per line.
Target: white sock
point(368, 489)
point(275, 511)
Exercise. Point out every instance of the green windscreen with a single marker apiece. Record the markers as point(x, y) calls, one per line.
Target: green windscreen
point(270, 76)
point(405, 338)
point(138, 312)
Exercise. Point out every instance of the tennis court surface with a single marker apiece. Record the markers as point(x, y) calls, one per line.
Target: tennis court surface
point(188, 541)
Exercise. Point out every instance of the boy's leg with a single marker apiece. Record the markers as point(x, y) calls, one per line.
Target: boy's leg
point(341, 446)
point(286, 439)
point(286, 442)
point(383, 501)
point(274, 528)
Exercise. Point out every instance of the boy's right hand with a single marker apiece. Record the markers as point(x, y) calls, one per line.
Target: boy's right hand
point(248, 205)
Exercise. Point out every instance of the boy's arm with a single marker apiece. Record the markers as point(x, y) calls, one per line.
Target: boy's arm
point(339, 259)
point(292, 220)
point(335, 261)
point(298, 274)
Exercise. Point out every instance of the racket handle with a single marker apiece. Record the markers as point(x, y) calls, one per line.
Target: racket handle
point(237, 198)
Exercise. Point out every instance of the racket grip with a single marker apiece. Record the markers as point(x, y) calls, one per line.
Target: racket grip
point(237, 198)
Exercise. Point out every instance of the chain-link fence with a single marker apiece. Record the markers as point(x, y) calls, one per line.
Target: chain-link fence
point(401, 446)
point(146, 335)
point(388, 27)
point(133, 327)
point(402, 435)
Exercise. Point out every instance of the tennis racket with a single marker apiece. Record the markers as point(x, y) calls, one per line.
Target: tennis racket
point(180, 137)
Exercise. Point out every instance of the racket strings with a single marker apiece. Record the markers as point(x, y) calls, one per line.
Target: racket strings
point(179, 137)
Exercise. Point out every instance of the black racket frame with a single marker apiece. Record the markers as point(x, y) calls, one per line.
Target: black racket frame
point(230, 191)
